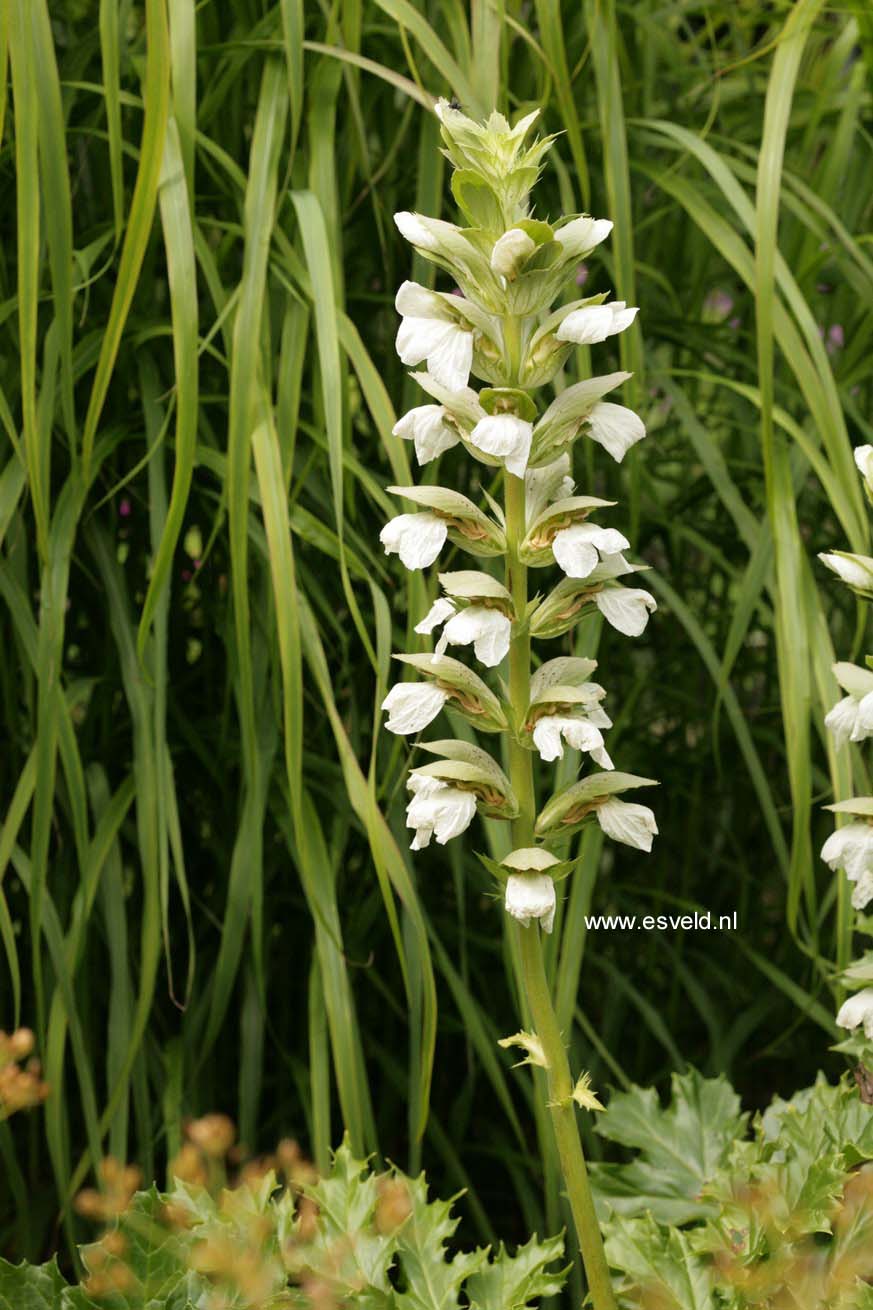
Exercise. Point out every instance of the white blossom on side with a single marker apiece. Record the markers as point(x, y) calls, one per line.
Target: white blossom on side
point(578, 549)
point(507, 437)
point(437, 810)
point(858, 1010)
point(845, 721)
point(864, 460)
point(426, 427)
point(531, 896)
point(851, 848)
point(856, 570)
point(615, 428)
point(429, 332)
point(552, 730)
point(487, 630)
point(416, 538)
point(594, 323)
point(627, 609)
point(581, 235)
point(627, 822)
point(411, 706)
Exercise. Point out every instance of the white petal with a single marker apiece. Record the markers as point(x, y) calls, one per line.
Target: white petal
point(862, 459)
point(506, 436)
point(850, 848)
point(576, 548)
point(857, 1010)
point(581, 235)
point(547, 738)
point(450, 362)
point(531, 896)
point(856, 570)
point(510, 251)
point(626, 822)
point(412, 706)
point(864, 726)
point(575, 553)
point(626, 608)
point(615, 428)
point(414, 230)
point(416, 538)
point(419, 338)
point(436, 809)
point(586, 326)
point(862, 892)
point(842, 720)
point(415, 300)
point(583, 735)
point(487, 629)
point(426, 427)
point(439, 611)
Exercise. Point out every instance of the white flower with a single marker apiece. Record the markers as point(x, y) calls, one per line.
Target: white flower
point(865, 463)
point(507, 437)
point(615, 428)
point(416, 231)
point(626, 822)
point(626, 608)
point(437, 810)
point(596, 322)
point(857, 1010)
point(851, 848)
point(856, 570)
point(487, 629)
point(531, 896)
point(429, 331)
point(851, 719)
point(427, 428)
point(412, 706)
point(581, 235)
point(576, 548)
point(510, 251)
point(578, 732)
point(416, 538)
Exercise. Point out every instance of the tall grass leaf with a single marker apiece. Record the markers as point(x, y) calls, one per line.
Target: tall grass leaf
point(156, 95)
point(24, 88)
point(182, 277)
point(183, 77)
point(57, 213)
point(409, 17)
point(110, 52)
point(793, 653)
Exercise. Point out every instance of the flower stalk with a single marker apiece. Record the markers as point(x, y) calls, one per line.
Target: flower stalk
point(533, 973)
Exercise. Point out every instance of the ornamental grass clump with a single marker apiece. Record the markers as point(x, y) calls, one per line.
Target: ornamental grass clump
point(509, 267)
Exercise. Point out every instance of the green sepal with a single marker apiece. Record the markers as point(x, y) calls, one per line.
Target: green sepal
point(508, 400)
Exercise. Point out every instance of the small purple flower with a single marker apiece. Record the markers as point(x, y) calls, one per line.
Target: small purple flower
point(124, 508)
point(836, 338)
point(735, 323)
point(718, 304)
point(581, 275)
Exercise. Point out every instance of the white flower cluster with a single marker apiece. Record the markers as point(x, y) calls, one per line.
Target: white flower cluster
point(497, 326)
point(850, 847)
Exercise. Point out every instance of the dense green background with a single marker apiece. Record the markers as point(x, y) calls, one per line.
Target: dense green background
point(202, 907)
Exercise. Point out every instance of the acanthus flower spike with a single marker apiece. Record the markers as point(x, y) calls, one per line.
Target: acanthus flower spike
point(510, 267)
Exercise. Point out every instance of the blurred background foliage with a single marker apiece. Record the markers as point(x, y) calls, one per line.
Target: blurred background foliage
point(207, 898)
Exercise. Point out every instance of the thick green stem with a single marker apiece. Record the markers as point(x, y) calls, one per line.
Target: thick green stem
point(561, 1106)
